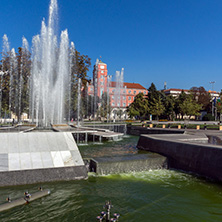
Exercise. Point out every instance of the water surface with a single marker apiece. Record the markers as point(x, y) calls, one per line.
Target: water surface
point(158, 195)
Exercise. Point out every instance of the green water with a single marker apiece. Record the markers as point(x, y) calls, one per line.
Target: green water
point(159, 195)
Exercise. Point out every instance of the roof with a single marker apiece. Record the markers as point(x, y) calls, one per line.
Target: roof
point(172, 89)
point(129, 85)
point(185, 90)
point(210, 91)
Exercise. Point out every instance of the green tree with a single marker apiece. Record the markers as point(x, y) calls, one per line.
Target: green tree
point(79, 68)
point(19, 68)
point(139, 107)
point(178, 101)
point(219, 106)
point(154, 97)
point(202, 97)
point(169, 104)
point(152, 93)
point(5, 79)
point(190, 107)
point(156, 107)
point(24, 72)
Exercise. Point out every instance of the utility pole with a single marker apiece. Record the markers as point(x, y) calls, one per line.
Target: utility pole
point(212, 83)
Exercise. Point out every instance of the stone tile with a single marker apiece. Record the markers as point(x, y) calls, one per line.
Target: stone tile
point(43, 144)
point(13, 142)
point(34, 142)
point(14, 161)
point(67, 158)
point(52, 141)
point(4, 162)
point(60, 142)
point(23, 143)
point(57, 159)
point(25, 161)
point(47, 160)
point(36, 160)
point(3, 143)
point(70, 141)
point(78, 161)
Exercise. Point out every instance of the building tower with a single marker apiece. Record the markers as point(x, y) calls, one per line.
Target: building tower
point(100, 78)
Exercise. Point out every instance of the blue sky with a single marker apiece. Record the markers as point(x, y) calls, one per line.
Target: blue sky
point(177, 41)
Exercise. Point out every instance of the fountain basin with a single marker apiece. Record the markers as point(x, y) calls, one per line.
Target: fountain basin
point(190, 153)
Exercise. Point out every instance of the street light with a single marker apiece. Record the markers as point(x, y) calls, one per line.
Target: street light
point(212, 83)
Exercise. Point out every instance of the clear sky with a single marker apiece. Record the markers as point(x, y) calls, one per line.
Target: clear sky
point(177, 41)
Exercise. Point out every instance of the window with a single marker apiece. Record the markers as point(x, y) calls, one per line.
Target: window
point(129, 91)
point(102, 83)
point(134, 92)
point(124, 91)
point(124, 98)
point(144, 92)
point(139, 91)
point(124, 104)
point(102, 71)
point(129, 97)
point(112, 97)
point(113, 90)
point(113, 104)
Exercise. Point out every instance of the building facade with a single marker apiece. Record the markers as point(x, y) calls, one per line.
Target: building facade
point(176, 92)
point(121, 94)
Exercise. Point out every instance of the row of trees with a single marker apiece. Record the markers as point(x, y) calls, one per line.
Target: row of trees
point(15, 71)
point(157, 104)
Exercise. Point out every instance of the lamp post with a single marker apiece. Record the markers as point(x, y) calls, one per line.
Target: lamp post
point(212, 83)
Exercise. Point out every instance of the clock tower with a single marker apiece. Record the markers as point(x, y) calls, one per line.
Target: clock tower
point(100, 78)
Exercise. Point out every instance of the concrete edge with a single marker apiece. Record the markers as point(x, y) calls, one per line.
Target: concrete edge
point(12, 178)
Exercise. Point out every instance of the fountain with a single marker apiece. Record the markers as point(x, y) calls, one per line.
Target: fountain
point(50, 73)
point(42, 155)
point(119, 88)
point(118, 94)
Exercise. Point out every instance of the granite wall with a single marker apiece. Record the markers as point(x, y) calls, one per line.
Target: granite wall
point(202, 159)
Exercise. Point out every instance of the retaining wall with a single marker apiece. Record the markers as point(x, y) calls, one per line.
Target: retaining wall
point(202, 159)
